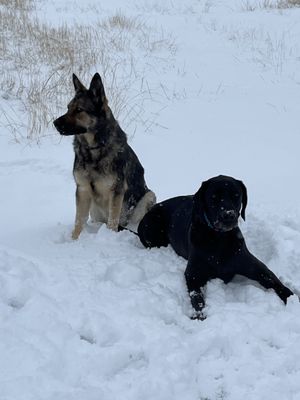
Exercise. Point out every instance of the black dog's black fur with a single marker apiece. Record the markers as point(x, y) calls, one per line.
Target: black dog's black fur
point(204, 230)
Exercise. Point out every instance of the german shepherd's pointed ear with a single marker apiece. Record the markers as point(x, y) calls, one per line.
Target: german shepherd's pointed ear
point(97, 89)
point(79, 87)
point(244, 199)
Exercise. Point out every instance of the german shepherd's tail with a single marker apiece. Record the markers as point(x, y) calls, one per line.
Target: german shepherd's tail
point(141, 209)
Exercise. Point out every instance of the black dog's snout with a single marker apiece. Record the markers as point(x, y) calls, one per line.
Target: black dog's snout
point(228, 215)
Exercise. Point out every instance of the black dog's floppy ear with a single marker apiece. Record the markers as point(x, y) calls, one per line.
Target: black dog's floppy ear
point(79, 87)
point(97, 88)
point(198, 202)
point(244, 199)
point(199, 195)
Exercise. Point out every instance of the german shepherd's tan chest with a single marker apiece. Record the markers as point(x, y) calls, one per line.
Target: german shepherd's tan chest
point(99, 187)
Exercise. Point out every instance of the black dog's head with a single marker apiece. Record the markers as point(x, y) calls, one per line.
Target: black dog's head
point(219, 203)
point(85, 110)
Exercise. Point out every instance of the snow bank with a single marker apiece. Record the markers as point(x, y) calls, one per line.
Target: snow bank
point(103, 318)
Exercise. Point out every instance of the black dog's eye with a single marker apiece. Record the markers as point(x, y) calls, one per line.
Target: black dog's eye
point(78, 109)
point(236, 194)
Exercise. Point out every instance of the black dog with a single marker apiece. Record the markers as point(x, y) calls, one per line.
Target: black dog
point(204, 230)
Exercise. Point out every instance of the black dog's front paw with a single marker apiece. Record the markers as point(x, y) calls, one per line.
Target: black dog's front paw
point(284, 293)
point(199, 315)
point(198, 304)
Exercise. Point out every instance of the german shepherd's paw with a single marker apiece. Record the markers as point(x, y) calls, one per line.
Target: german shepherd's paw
point(76, 232)
point(113, 225)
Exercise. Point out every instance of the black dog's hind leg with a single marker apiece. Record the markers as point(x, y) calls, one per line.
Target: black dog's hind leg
point(254, 269)
point(153, 228)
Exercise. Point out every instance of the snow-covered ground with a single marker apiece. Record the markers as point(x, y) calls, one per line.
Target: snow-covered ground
point(104, 319)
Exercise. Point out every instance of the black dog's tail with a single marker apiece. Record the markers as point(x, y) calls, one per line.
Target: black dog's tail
point(122, 228)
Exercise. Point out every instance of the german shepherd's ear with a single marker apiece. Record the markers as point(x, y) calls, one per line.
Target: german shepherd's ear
point(97, 89)
point(79, 87)
point(244, 199)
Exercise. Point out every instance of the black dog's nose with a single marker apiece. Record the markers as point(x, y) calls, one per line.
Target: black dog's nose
point(228, 215)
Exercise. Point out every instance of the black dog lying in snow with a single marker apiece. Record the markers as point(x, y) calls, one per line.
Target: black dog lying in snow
point(204, 230)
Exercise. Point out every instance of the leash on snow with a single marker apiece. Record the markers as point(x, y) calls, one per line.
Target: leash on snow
point(122, 228)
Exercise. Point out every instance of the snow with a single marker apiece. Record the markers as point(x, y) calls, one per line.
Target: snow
point(103, 318)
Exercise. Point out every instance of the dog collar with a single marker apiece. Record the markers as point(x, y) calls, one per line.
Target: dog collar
point(101, 144)
point(94, 148)
point(208, 221)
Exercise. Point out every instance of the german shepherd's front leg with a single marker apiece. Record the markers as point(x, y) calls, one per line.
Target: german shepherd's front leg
point(83, 203)
point(115, 206)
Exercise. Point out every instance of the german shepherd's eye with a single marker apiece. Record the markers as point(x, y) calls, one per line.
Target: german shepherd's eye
point(78, 110)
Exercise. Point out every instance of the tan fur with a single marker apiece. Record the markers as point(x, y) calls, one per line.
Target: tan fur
point(83, 203)
point(143, 206)
point(103, 205)
point(114, 210)
point(101, 201)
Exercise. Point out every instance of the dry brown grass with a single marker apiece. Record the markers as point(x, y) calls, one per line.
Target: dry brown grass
point(24, 5)
point(37, 61)
point(288, 3)
point(269, 4)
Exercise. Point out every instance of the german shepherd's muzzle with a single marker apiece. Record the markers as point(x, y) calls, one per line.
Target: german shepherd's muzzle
point(110, 180)
point(65, 126)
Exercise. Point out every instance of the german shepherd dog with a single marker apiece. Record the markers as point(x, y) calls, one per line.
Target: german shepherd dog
point(110, 180)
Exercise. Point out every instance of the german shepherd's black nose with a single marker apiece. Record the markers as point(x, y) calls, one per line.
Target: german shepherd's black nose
point(66, 126)
point(58, 125)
